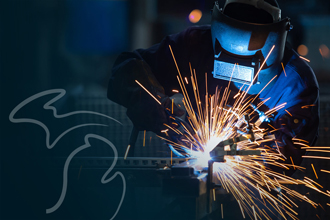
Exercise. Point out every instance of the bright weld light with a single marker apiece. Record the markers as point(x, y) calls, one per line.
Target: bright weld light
point(263, 118)
point(195, 16)
point(202, 157)
point(212, 143)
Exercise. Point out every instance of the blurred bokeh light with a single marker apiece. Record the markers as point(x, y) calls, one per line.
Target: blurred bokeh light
point(302, 50)
point(324, 51)
point(195, 16)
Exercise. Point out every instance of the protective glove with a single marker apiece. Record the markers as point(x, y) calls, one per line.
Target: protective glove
point(183, 131)
point(148, 114)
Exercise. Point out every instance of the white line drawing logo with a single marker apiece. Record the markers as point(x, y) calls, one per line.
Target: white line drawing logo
point(48, 106)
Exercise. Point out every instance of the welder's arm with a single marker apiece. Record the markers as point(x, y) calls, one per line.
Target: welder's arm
point(153, 68)
point(302, 123)
point(143, 110)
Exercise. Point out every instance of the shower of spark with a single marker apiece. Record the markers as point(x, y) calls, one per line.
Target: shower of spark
point(258, 190)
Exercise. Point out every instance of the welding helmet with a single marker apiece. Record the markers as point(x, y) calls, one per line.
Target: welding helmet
point(243, 33)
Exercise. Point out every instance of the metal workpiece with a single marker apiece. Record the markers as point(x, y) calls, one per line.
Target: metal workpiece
point(185, 180)
point(120, 162)
point(190, 184)
point(229, 146)
point(218, 153)
point(210, 186)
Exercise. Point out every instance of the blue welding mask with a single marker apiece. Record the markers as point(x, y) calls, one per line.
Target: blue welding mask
point(243, 33)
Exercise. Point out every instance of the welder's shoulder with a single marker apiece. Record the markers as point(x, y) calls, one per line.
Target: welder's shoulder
point(199, 30)
point(189, 36)
point(300, 68)
point(197, 34)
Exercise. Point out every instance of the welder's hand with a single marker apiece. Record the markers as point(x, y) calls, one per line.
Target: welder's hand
point(147, 114)
point(182, 139)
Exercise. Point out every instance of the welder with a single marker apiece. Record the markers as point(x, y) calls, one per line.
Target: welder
point(243, 32)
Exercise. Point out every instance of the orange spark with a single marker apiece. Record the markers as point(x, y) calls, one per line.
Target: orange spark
point(288, 112)
point(314, 171)
point(148, 92)
point(186, 80)
point(144, 138)
point(172, 105)
point(165, 131)
point(283, 69)
point(324, 151)
point(254, 212)
point(236, 95)
point(298, 143)
point(307, 106)
point(292, 163)
point(321, 206)
point(325, 171)
point(241, 208)
point(297, 139)
point(271, 126)
point(173, 123)
point(315, 147)
point(316, 157)
point(305, 59)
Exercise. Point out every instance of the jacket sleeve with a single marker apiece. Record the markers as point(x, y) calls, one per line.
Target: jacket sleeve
point(153, 68)
point(298, 126)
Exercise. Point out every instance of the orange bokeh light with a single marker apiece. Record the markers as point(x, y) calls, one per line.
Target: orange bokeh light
point(195, 16)
point(302, 50)
point(324, 51)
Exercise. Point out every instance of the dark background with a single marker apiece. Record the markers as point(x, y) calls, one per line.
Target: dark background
point(72, 44)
